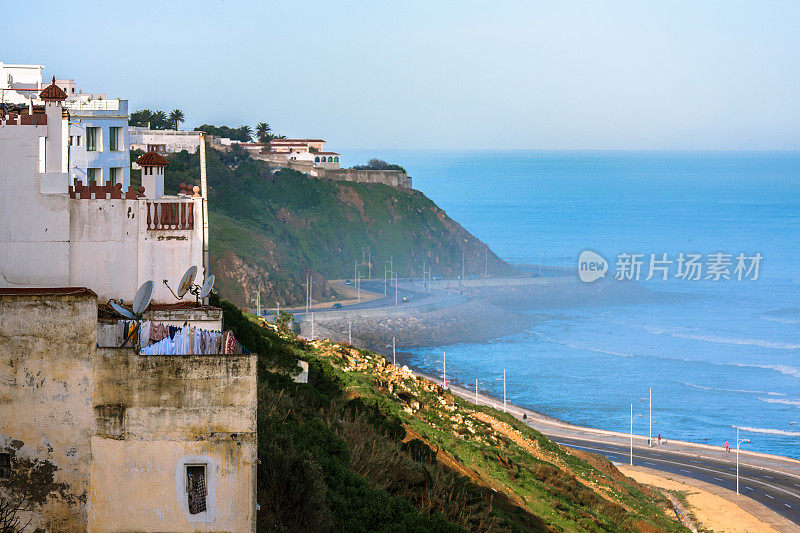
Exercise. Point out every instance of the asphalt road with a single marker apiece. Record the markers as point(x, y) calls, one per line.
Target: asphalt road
point(778, 492)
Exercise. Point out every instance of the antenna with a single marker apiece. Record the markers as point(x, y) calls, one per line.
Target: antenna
point(185, 283)
point(187, 280)
point(205, 290)
point(142, 298)
point(140, 303)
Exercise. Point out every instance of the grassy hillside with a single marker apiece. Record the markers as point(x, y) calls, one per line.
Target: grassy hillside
point(365, 446)
point(268, 230)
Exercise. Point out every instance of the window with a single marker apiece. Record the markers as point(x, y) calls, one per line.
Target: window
point(115, 176)
point(336, 159)
point(5, 466)
point(316, 159)
point(196, 488)
point(92, 139)
point(71, 140)
point(77, 140)
point(92, 174)
point(114, 138)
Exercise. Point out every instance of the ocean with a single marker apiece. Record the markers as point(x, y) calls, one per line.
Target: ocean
point(724, 353)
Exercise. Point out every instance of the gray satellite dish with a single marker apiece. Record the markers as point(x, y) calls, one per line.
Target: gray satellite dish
point(207, 286)
point(127, 313)
point(186, 281)
point(142, 298)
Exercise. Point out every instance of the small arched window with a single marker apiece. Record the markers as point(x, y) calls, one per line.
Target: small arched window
point(316, 159)
point(336, 159)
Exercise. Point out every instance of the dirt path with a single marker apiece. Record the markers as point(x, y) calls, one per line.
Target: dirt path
point(711, 510)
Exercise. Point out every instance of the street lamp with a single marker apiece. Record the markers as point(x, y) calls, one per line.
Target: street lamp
point(476, 391)
point(640, 416)
point(504, 389)
point(394, 274)
point(738, 442)
point(650, 400)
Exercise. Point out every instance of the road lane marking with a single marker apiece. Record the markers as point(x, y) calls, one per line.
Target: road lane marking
point(768, 477)
point(794, 495)
point(687, 471)
point(768, 496)
point(787, 505)
point(719, 479)
point(749, 488)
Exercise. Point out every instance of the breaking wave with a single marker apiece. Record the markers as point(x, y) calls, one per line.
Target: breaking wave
point(781, 401)
point(587, 348)
point(771, 431)
point(701, 387)
point(725, 340)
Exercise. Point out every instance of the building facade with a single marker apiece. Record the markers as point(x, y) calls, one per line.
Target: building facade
point(95, 436)
point(163, 141)
point(53, 232)
point(98, 137)
point(19, 83)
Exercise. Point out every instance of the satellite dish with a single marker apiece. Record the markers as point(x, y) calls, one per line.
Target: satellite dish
point(207, 286)
point(186, 281)
point(127, 313)
point(142, 298)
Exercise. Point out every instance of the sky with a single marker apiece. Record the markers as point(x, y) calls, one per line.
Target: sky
point(440, 75)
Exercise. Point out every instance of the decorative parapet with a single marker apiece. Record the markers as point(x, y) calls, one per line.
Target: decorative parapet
point(23, 120)
point(103, 192)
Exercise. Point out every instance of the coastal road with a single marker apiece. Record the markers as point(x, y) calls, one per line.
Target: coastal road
point(772, 481)
point(777, 491)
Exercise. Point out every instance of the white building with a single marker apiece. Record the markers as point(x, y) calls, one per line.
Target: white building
point(19, 83)
point(163, 141)
point(98, 135)
point(103, 236)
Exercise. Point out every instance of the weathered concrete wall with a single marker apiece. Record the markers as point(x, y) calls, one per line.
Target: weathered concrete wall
point(100, 437)
point(393, 178)
point(182, 410)
point(47, 345)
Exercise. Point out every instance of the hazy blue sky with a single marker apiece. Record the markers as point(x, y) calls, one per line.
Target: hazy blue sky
point(584, 75)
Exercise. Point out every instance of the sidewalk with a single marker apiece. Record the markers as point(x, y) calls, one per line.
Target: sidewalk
point(554, 427)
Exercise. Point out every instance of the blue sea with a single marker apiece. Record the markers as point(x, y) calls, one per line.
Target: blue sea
point(726, 353)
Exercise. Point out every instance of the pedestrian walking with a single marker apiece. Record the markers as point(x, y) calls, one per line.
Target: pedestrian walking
point(659, 439)
point(727, 447)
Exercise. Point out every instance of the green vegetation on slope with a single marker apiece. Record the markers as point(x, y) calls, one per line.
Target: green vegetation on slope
point(364, 446)
point(269, 230)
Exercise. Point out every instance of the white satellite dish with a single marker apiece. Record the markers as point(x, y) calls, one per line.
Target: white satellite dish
point(127, 313)
point(207, 286)
point(142, 298)
point(186, 281)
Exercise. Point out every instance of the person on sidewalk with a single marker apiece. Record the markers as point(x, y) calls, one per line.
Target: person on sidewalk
point(727, 447)
point(659, 439)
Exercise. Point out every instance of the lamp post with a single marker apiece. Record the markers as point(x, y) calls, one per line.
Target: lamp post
point(394, 352)
point(350, 333)
point(649, 399)
point(395, 288)
point(476, 391)
point(640, 416)
point(258, 303)
point(738, 443)
point(504, 389)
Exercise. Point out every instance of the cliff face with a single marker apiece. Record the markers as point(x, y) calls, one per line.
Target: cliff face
point(269, 230)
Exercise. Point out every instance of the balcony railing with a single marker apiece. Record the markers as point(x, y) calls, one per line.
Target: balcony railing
point(177, 214)
point(93, 105)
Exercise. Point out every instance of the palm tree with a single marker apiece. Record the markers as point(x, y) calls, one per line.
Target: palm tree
point(246, 133)
point(176, 117)
point(263, 132)
point(159, 121)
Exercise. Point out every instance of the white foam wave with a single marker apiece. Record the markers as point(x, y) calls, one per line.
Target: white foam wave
point(701, 387)
point(725, 340)
point(771, 431)
point(781, 401)
point(588, 348)
point(783, 369)
point(788, 321)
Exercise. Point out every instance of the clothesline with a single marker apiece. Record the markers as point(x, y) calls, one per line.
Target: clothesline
point(155, 338)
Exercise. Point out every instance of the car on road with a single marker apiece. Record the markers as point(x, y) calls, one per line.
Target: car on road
point(336, 306)
point(347, 282)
